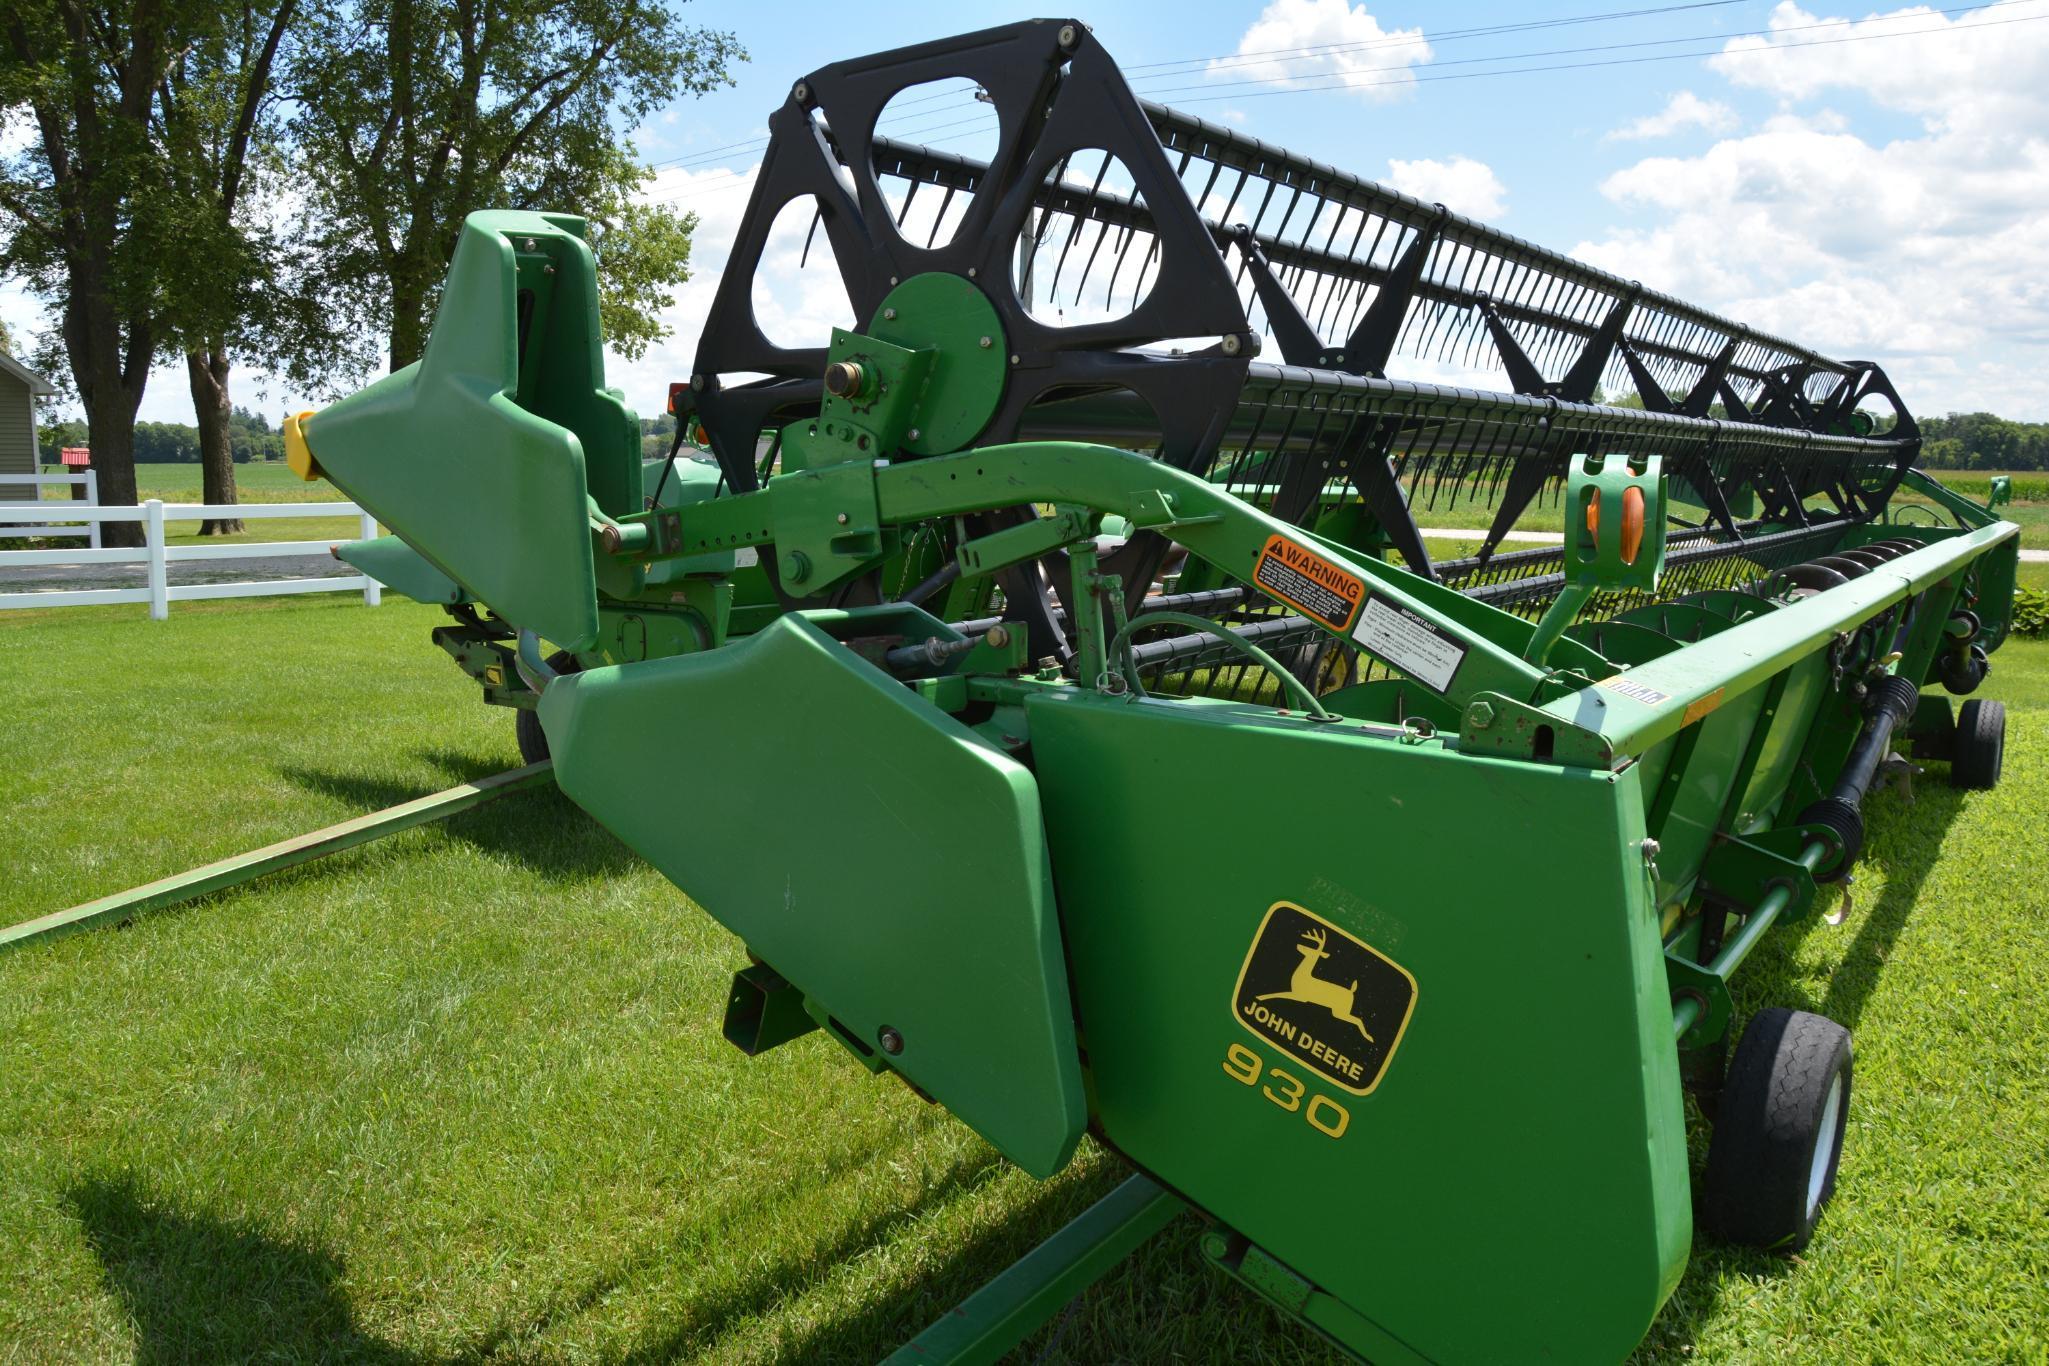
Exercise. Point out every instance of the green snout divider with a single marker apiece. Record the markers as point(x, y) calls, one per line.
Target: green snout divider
point(488, 454)
point(902, 881)
point(400, 568)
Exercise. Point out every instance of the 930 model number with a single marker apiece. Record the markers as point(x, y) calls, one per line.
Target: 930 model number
point(1286, 1090)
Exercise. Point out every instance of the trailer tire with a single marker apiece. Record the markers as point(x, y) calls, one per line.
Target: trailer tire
point(1979, 750)
point(1778, 1136)
point(526, 726)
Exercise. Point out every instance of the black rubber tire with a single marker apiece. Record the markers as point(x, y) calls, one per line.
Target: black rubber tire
point(1774, 1125)
point(526, 725)
point(1979, 750)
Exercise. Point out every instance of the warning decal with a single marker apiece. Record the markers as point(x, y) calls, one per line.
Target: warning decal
point(1308, 583)
point(1635, 692)
point(1327, 1000)
point(1413, 644)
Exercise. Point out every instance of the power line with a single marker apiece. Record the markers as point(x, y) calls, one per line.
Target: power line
point(1640, 43)
point(732, 149)
point(1243, 58)
point(1450, 35)
point(1287, 86)
point(1636, 61)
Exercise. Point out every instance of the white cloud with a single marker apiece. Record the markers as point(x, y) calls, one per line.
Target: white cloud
point(1325, 43)
point(1461, 184)
point(1979, 71)
point(1928, 253)
point(718, 197)
point(1683, 110)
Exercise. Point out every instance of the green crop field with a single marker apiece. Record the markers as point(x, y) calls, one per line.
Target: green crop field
point(460, 1094)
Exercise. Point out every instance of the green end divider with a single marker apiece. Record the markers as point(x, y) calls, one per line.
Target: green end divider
point(269, 859)
point(490, 453)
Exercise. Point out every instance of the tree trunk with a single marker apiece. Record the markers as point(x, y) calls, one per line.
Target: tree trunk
point(207, 368)
point(408, 321)
point(110, 431)
point(110, 365)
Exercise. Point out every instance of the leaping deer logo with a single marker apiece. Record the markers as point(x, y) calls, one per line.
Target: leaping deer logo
point(1305, 986)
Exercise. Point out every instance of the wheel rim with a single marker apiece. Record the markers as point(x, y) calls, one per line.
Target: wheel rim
point(1825, 1144)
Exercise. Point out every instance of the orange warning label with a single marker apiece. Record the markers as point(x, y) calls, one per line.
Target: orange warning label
point(1308, 583)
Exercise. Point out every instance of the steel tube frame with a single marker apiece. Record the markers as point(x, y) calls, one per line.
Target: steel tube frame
point(1024, 1295)
point(230, 872)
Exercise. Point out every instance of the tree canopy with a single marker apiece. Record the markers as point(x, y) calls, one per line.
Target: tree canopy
point(418, 112)
point(1982, 441)
point(283, 180)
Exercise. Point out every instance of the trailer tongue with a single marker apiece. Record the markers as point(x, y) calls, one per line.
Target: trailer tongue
point(1061, 700)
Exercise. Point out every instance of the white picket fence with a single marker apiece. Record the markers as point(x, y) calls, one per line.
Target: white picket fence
point(158, 591)
point(89, 481)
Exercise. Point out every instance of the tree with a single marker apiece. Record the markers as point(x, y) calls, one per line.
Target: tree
point(87, 214)
point(216, 111)
point(418, 112)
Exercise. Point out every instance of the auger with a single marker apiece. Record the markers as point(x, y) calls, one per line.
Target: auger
point(929, 665)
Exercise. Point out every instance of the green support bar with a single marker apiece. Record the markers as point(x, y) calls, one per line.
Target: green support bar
point(1670, 693)
point(1479, 646)
point(289, 853)
point(998, 1316)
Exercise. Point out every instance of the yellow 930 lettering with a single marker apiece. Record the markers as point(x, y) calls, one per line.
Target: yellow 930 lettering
point(1325, 1115)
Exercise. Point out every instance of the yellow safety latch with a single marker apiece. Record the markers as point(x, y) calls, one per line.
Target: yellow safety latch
point(298, 454)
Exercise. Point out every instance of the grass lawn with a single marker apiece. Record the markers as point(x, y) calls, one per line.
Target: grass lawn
point(461, 1093)
point(258, 482)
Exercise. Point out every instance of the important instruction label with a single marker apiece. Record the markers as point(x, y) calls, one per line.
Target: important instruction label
point(1308, 583)
point(1409, 642)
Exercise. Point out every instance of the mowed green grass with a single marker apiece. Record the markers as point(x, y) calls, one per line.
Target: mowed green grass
point(461, 1093)
point(269, 481)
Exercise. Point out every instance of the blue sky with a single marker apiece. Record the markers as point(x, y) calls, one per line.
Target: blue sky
point(1885, 197)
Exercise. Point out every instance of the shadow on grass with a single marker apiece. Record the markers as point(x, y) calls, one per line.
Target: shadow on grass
point(199, 1289)
point(1904, 841)
point(888, 1322)
point(722, 1313)
point(541, 830)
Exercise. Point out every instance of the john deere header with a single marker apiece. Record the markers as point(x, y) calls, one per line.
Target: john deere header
point(1050, 684)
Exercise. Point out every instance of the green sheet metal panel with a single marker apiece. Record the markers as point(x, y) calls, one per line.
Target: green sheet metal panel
point(1703, 782)
point(1808, 689)
point(868, 847)
point(1526, 1135)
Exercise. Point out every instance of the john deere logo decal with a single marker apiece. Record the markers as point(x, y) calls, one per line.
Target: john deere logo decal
point(1328, 1000)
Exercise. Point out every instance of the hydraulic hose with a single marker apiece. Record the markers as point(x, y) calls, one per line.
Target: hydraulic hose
point(1294, 686)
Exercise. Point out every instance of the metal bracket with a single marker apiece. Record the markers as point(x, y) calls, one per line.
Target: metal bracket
point(1494, 724)
point(1743, 870)
point(1026, 541)
point(1689, 979)
point(1153, 509)
point(827, 527)
point(764, 1010)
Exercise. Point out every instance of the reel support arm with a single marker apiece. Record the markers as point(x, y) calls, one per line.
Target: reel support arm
point(1237, 538)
